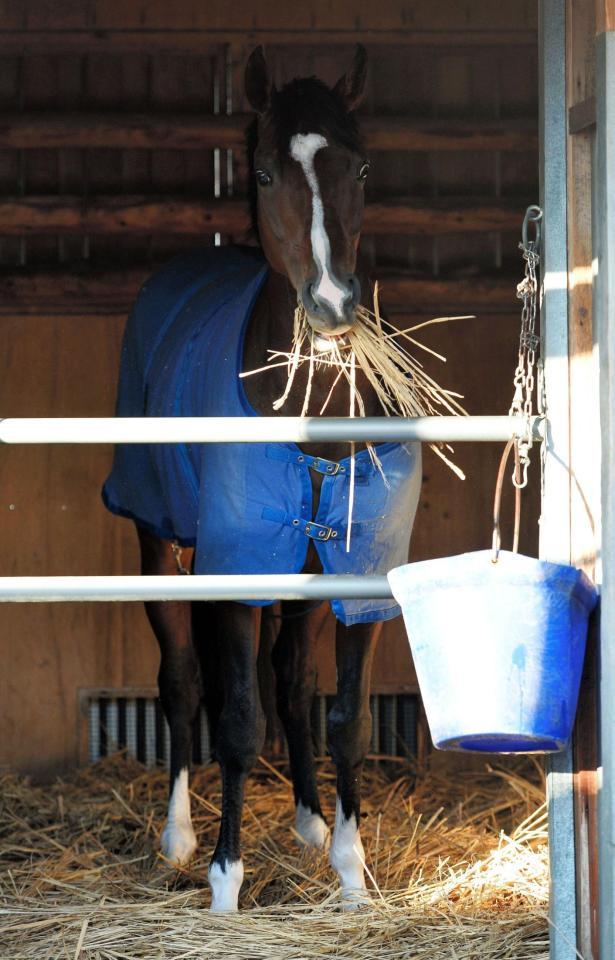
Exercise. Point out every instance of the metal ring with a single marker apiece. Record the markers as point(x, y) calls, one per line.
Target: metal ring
point(533, 214)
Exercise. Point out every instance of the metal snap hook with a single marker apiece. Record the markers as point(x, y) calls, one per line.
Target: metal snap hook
point(533, 214)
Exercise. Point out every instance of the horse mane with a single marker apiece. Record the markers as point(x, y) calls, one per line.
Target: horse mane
point(305, 105)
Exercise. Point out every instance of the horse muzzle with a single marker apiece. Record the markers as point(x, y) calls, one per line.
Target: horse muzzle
point(331, 308)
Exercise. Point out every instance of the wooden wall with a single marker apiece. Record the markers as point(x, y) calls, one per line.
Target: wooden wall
point(120, 143)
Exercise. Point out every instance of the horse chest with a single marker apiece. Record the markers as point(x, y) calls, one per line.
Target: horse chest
point(262, 391)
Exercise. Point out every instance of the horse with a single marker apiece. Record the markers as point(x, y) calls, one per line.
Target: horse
point(195, 326)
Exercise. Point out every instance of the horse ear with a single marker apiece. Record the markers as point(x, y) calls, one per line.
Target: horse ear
point(258, 83)
point(351, 87)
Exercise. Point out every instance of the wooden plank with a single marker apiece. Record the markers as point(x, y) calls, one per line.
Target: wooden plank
point(582, 115)
point(58, 525)
point(50, 499)
point(477, 293)
point(586, 788)
point(139, 215)
point(585, 439)
point(316, 14)
point(132, 216)
point(112, 291)
point(180, 41)
point(583, 377)
point(605, 16)
point(441, 216)
point(151, 131)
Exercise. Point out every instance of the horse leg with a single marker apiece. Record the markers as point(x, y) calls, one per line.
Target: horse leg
point(295, 670)
point(349, 734)
point(204, 632)
point(178, 682)
point(239, 740)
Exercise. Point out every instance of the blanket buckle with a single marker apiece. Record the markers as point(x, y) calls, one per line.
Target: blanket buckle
point(318, 531)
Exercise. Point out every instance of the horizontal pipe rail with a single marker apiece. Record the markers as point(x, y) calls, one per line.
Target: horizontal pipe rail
point(298, 586)
point(262, 429)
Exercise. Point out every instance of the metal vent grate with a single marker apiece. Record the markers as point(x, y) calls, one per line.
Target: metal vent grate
point(138, 725)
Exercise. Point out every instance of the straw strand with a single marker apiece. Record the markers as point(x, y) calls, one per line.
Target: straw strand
point(398, 379)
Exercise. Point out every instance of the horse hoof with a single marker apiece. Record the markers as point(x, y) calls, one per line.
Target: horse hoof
point(311, 828)
point(225, 881)
point(355, 898)
point(178, 842)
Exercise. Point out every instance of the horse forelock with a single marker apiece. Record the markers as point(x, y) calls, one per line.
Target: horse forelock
point(303, 106)
point(307, 106)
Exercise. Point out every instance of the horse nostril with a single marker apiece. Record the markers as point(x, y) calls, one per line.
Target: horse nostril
point(308, 298)
point(314, 299)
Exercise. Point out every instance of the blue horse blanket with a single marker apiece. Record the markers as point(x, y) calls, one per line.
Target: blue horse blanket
point(245, 507)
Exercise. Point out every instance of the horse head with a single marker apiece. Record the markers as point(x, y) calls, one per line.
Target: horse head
point(309, 168)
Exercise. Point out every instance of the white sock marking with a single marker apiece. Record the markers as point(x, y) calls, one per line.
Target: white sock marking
point(347, 857)
point(311, 827)
point(225, 885)
point(303, 149)
point(178, 840)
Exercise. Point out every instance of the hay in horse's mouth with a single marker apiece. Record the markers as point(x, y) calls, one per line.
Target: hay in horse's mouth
point(402, 386)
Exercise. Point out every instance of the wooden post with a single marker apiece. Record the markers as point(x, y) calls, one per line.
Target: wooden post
point(555, 518)
point(584, 448)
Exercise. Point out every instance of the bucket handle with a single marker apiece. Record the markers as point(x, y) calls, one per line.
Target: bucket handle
point(497, 500)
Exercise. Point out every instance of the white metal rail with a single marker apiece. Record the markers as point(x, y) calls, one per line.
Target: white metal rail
point(296, 586)
point(235, 430)
point(262, 429)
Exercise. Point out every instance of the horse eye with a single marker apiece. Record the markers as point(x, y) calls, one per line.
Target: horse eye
point(363, 171)
point(264, 179)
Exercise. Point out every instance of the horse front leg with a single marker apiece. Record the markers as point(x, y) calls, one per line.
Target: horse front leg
point(239, 740)
point(180, 695)
point(295, 670)
point(349, 727)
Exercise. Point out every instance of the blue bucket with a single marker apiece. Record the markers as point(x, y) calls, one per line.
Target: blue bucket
point(498, 648)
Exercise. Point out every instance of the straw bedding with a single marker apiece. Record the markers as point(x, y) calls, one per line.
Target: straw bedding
point(458, 869)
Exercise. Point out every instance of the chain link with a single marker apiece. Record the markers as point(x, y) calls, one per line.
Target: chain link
point(529, 341)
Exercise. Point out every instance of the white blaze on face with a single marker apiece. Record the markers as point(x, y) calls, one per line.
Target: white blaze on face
point(303, 149)
point(347, 857)
point(178, 840)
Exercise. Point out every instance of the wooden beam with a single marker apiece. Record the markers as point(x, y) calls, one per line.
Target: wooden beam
point(605, 16)
point(582, 116)
point(20, 42)
point(403, 294)
point(585, 441)
point(56, 292)
point(129, 215)
point(438, 216)
point(147, 215)
point(401, 133)
point(586, 789)
point(150, 131)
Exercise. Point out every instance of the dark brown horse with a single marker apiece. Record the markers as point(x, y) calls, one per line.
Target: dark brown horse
point(309, 168)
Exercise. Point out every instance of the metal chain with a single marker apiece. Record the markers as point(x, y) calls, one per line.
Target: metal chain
point(528, 377)
point(529, 341)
